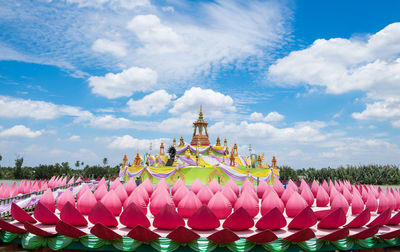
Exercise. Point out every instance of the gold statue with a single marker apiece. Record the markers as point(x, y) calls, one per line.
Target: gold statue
point(273, 162)
point(174, 142)
point(232, 159)
point(225, 143)
point(136, 161)
point(235, 150)
point(259, 161)
point(218, 142)
point(181, 142)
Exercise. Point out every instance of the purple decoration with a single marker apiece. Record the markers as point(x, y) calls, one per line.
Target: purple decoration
point(218, 151)
point(135, 174)
point(159, 175)
point(182, 150)
point(232, 176)
point(187, 160)
point(151, 161)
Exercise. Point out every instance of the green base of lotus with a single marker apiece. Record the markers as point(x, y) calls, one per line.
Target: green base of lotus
point(91, 242)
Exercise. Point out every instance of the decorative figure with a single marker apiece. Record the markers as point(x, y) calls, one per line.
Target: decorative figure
point(136, 161)
point(259, 161)
point(232, 159)
point(273, 162)
point(199, 138)
point(181, 142)
point(172, 153)
point(125, 159)
point(235, 150)
point(188, 152)
point(225, 143)
point(162, 149)
point(174, 142)
point(218, 142)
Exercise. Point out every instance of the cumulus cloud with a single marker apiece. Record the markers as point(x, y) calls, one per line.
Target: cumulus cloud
point(150, 104)
point(114, 123)
point(215, 103)
point(129, 142)
point(15, 107)
point(125, 83)
point(156, 37)
point(307, 132)
point(74, 138)
point(20, 131)
point(115, 48)
point(342, 65)
point(271, 117)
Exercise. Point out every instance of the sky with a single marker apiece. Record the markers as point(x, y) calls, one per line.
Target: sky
point(315, 83)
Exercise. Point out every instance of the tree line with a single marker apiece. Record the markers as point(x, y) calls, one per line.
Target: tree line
point(18, 171)
point(361, 174)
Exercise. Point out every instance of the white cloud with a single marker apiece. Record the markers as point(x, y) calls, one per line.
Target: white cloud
point(156, 37)
point(182, 47)
point(264, 133)
point(214, 103)
point(271, 117)
point(74, 138)
point(396, 124)
point(350, 150)
point(129, 142)
point(380, 110)
point(176, 45)
point(168, 9)
point(342, 65)
point(110, 122)
point(150, 104)
point(124, 83)
point(15, 107)
point(20, 131)
point(127, 4)
point(115, 48)
point(182, 124)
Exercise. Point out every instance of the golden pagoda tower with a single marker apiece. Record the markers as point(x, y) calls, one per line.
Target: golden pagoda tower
point(125, 160)
point(218, 142)
point(200, 137)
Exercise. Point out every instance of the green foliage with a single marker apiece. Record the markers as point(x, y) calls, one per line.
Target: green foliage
point(286, 173)
point(362, 174)
point(18, 168)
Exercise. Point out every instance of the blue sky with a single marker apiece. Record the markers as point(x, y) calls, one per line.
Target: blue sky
point(315, 83)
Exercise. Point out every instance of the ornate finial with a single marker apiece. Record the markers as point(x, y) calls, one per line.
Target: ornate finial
point(218, 142)
point(125, 159)
point(201, 112)
point(273, 162)
point(225, 142)
point(174, 142)
point(181, 142)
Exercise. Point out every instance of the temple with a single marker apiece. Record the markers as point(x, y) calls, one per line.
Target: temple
point(199, 138)
point(201, 160)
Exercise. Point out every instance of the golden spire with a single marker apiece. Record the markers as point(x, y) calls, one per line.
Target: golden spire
point(125, 159)
point(201, 112)
point(174, 141)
